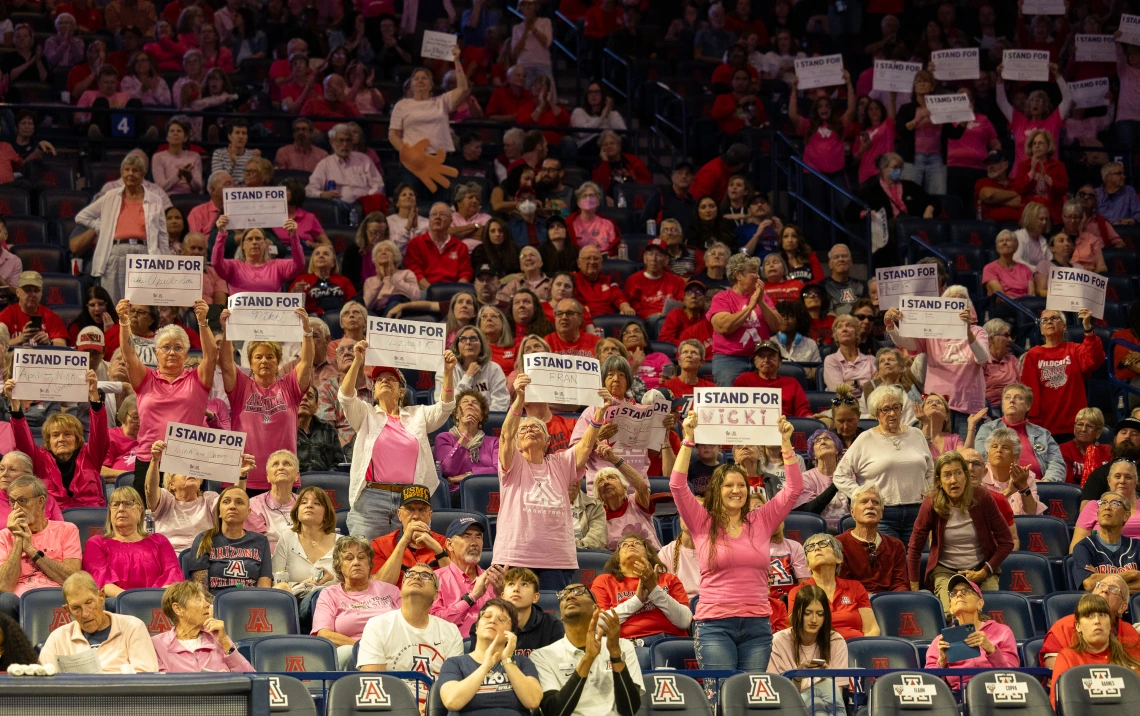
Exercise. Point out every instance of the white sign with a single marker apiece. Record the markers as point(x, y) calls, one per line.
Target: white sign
point(1102, 685)
point(1025, 65)
point(164, 280)
point(738, 416)
point(1129, 29)
point(1071, 289)
point(405, 344)
point(203, 452)
point(1007, 689)
point(949, 108)
point(265, 317)
point(891, 76)
point(925, 317)
point(1090, 93)
point(1043, 7)
point(956, 64)
point(916, 280)
point(569, 380)
point(639, 426)
point(45, 374)
point(1095, 48)
point(826, 71)
point(264, 207)
point(437, 45)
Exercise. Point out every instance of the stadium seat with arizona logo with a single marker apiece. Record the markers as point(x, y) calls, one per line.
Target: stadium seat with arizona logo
point(1061, 500)
point(882, 652)
point(334, 483)
point(146, 605)
point(42, 612)
point(1014, 611)
point(1027, 574)
point(361, 693)
point(292, 653)
point(914, 616)
point(289, 696)
point(801, 525)
point(673, 654)
point(908, 692)
point(590, 564)
point(251, 613)
point(673, 694)
point(745, 694)
point(1097, 690)
point(480, 493)
point(89, 520)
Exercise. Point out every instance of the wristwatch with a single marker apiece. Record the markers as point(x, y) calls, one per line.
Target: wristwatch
point(38, 556)
point(467, 598)
point(616, 659)
point(509, 661)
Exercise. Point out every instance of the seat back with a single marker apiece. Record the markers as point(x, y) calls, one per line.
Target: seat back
point(293, 653)
point(674, 694)
point(1045, 535)
point(974, 232)
point(673, 654)
point(1012, 610)
point(289, 696)
point(89, 520)
point(435, 705)
point(26, 230)
point(440, 519)
point(58, 204)
point(882, 652)
point(1031, 652)
point(480, 493)
point(62, 290)
point(792, 370)
point(914, 616)
point(804, 428)
point(746, 694)
point(250, 613)
point(1060, 604)
point(14, 201)
point(1061, 500)
point(326, 211)
point(1006, 692)
point(145, 605)
point(591, 562)
point(446, 291)
point(620, 270)
point(334, 483)
point(1097, 690)
point(1027, 574)
point(612, 324)
point(908, 692)
point(364, 693)
point(493, 425)
point(799, 526)
point(42, 611)
point(42, 258)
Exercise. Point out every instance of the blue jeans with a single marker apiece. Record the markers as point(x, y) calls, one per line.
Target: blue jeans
point(737, 643)
point(1128, 133)
point(374, 514)
point(898, 521)
point(928, 171)
point(726, 369)
point(553, 580)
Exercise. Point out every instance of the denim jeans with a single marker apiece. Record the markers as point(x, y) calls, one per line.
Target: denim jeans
point(736, 643)
point(726, 369)
point(824, 698)
point(928, 171)
point(553, 580)
point(374, 514)
point(898, 521)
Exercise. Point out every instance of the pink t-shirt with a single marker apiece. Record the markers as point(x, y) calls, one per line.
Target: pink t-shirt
point(971, 149)
point(149, 563)
point(269, 517)
point(952, 371)
point(882, 141)
point(59, 541)
point(630, 519)
point(651, 367)
point(160, 401)
point(394, 455)
point(823, 150)
point(346, 613)
point(308, 227)
point(928, 139)
point(120, 451)
point(598, 231)
point(1020, 127)
point(742, 341)
point(815, 482)
point(211, 284)
point(1087, 521)
point(269, 418)
point(425, 118)
point(536, 528)
point(181, 522)
point(1014, 280)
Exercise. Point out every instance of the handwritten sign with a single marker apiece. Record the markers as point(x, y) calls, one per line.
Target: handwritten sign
point(1129, 29)
point(1025, 65)
point(264, 207)
point(1095, 48)
point(50, 375)
point(949, 108)
point(737, 416)
point(959, 64)
point(264, 317)
point(897, 281)
point(1071, 289)
point(569, 380)
point(826, 71)
point(1090, 93)
point(205, 453)
point(405, 344)
point(639, 426)
point(437, 45)
point(1043, 7)
point(891, 76)
point(164, 280)
point(931, 317)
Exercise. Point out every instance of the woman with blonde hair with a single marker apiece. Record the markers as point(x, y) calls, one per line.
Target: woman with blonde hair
point(251, 269)
point(475, 369)
point(499, 337)
point(1033, 236)
point(843, 418)
point(124, 556)
point(933, 415)
point(1095, 641)
point(325, 289)
point(226, 556)
point(390, 284)
point(1085, 453)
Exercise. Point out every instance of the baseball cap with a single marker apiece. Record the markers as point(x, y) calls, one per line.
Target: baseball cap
point(377, 370)
point(485, 269)
point(767, 346)
point(737, 155)
point(658, 244)
point(994, 157)
point(89, 339)
point(1132, 423)
point(30, 278)
point(459, 526)
point(958, 579)
point(695, 282)
point(412, 493)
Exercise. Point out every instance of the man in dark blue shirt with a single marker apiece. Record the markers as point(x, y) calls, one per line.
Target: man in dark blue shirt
point(1106, 550)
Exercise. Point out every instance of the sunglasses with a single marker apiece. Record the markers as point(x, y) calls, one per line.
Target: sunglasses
point(847, 400)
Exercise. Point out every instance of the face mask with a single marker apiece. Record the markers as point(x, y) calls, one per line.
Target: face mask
point(527, 207)
point(895, 174)
point(589, 203)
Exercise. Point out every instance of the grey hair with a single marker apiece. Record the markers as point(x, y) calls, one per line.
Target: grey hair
point(889, 350)
point(672, 222)
point(395, 251)
point(174, 330)
point(291, 458)
point(463, 190)
point(37, 485)
point(61, 16)
point(694, 343)
point(514, 134)
point(23, 457)
point(1108, 167)
point(138, 160)
point(1064, 321)
point(1072, 205)
point(343, 545)
point(883, 392)
point(336, 130)
point(831, 542)
point(1005, 435)
point(79, 581)
point(775, 255)
point(738, 263)
point(864, 489)
point(959, 291)
point(994, 325)
point(1025, 391)
point(587, 186)
point(216, 179)
point(530, 420)
point(320, 326)
point(190, 53)
point(831, 251)
point(886, 159)
point(618, 363)
point(1114, 579)
point(607, 134)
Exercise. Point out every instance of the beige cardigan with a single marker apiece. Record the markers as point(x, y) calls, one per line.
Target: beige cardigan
point(129, 643)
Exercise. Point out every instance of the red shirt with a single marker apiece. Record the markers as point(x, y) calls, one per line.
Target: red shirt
point(584, 346)
point(556, 117)
point(744, 28)
point(610, 591)
point(1000, 214)
point(635, 170)
point(887, 574)
point(505, 357)
point(676, 321)
point(1055, 194)
point(602, 295)
point(15, 318)
point(1069, 657)
point(1057, 378)
point(711, 180)
point(321, 107)
point(724, 73)
point(850, 597)
point(424, 258)
point(587, 314)
point(91, 18)
point(600, 23)
point(784, 291)
point(703, 332)
point(681, 389)
point(1063, 632)
point(560, 428)
point(1080, 463)
point(384, 545)
point(794, 403)
point(504, 101)
point(821, 329)
point(724, 110)
point(647, 295)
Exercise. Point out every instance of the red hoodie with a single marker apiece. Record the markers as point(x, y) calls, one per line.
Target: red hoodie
point(1057, 378)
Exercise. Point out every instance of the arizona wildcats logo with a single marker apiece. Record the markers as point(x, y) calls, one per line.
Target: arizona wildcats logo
point(1102, 685)
point(665, 691)
point(294, 663)
point(1006, 689)
point(277, 697)
point(235, 569)
point(372, 692)
point(59, 617)
point(422, 665)
point(159, 622)
point(760, 690)
point(257, 622)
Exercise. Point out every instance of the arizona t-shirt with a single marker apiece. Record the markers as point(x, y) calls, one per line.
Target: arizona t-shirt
point(233, 563)
point(268, 416)
point(536, 528)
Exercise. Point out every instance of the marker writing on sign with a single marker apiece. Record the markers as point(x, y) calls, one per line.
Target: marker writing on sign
point(925, 271)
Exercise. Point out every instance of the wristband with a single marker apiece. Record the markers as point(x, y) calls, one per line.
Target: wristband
point(308, 335)
point(620, 462)
point(592, 424)
point(517, 415)
point(38, 556)
point(616, 659)
point(440, 555)
point(688, 443)
point(467, 598)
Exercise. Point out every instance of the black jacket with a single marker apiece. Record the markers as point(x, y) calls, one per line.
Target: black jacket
point(904, 138)
point(540, 630)
point(914, 196)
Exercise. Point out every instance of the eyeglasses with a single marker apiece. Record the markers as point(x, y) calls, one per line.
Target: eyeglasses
point(861, 317)
point(1110, 503)
point(388, 379)
point(1050, 319)
point(21, 501)
point(975, 463)
point(566, 314)
point(890, 409)
point(578, 591)
point(1110, 588)
point(961, 592)
point(816, 547)
point(117, 504)
point(467, 339)
point(420, 574)
point(168, 349)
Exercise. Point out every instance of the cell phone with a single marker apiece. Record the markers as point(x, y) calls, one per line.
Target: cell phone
point(36, 322)
point(818, 663)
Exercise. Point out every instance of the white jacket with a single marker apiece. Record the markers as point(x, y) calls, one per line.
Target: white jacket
point(490, 381)
point(103, 215)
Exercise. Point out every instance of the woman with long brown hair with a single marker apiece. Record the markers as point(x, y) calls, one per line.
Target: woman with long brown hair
point(210, 563)
point(807, 641)
point(1095, 641)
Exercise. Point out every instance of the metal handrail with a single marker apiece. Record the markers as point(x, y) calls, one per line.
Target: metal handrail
point(926, 245)
point(573, 55)
point(609, 59)
point(668, 94)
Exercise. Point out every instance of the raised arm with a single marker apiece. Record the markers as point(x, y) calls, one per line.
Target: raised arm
point(632, 476)
point(209, 347)
point(152, 487)
point(1066, 104)
point(136, 371)
point(304, 369)
point(849, 114)
point(585, 446)
point(1002, 100)
point(222, 265)
point(457, 95)
point(348, 385)
point(511, 422)
point(225, 355)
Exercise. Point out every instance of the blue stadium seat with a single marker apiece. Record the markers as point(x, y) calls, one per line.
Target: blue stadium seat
point(186, 202)
point(664, 348)
point(974, 232)
point(882, 652)
point(184, 558)
point(1043, 534)
point(932, 231)
point(792, 370)
point(884, 701)
point(1061, 604)
point(1133, 606)
point(493, 425)
point(1074, 696)
point(58, 204)
point(799, 526)
point(342, 521)
point(673, 654)
point(42, 611)
point(1121, 288)
point(334, 483)
point(1027, 574)
point(446, 291)
point(1014, 611)
point(14, 201)
point(612, 323)
point(250, 613)
point(89, 520)
point(293, 653)
point(440, 519)
point(1030, 652)
point(636, 197)
point(982, 699)
point(819, 400)
point(548, 602)
point(745, 694)
point(620, 269)
point(590, 565)
point(146, 605)
point(1061, 500)
point(99, 173)
point(435, 705)
point(673, 694)
point(366, 693)
point(62, 290)
point(1121, 262)
point(289, 696)
point(964, 257)
point(480, 493)
point(55, 173)
point(326, 211)
point(804, 428)
point(26, 230)
point(914, 616)
point(43, 258)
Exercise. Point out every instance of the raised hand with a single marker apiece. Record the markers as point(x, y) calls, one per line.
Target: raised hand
point(522, 380)
point(449, 360)
point(201, 310)
point(689, 427)
point(156, 449)
point(222, 222)
point(359, 350)
point(428, 168)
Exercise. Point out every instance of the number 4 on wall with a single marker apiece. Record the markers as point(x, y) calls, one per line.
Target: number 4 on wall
point(122, 125)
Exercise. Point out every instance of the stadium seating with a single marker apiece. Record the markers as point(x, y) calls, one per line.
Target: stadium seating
point(1097, 690)
point(1031, 650)
point(1013, 610)
point(440, 519)
point(673, 654)
point(89, 520)
point(882, 652)
point(799, 526)
point(1045, 535)
point(251, 613)
point(745, 694)
point(1027, 574)
point(673, 694)
point(363, 693)
point(1008, 693)
point(590, 565)
point(292, 653)
point(42, 611)
point(146, 605)
point(289, 696)
point(480, 493)
point(914, 616)
point(1060, 604)
point(1061, 500)
point(334, 483)
point(904, 692)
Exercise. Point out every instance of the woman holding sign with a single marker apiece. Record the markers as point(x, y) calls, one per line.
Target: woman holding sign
point(251, 269)
point(70, 468)
point(262, 405)
point(171, 393)
point(1039, 114)
point(731, 626)
point(1056, 372)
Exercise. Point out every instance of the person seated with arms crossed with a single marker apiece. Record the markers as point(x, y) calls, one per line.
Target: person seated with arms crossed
point(34, 551)
point(1106, 551)
point(198, 641)
point(1063, 632)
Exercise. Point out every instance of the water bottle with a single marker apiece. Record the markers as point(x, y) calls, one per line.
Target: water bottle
point(651, 227)
point(354, 217)
point(623, 251)
point(621, 200)
point(148, 523)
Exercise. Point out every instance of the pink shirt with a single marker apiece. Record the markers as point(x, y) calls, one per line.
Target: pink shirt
point(181, 522)
point(882, 141)
point(58, 541)
point(160, 401)
point(536, 528)
point(952, 370)
point(267, 277)
point(269, 517)
point(742, 341)
point(1021, 126)
point(149, 563)
point(174, 657)
point(165, 166)
point(598, 231)
point(738, 585)
point(346, 613)
point(971, 149)
point(1014, 280)
point(394, 455)
point(1087, 521)
point(1000, 374)
point(630, 518)
point(268, 416)
point(928, 139)
point(308, 227)
point(212, 283)
point(837, 369)
point(428, 118)
point(120, 451)
point(650, 369)
point(1015, 500)
point(449, 604)
point(815, 482)
point(823, 150)
point(1128, 100)
point(1004, 656)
